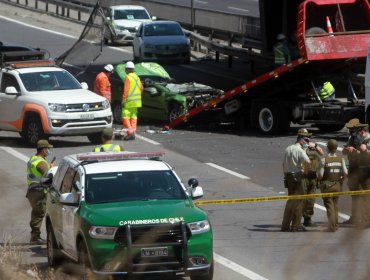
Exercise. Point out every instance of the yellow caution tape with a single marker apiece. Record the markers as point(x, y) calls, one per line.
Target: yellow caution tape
point(283, 197)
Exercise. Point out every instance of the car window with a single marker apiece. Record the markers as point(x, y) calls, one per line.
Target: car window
point(129, 186)
point(131, 14)
point(66, 186)
point(163, 30)
point(49, 80)
point(9, 81)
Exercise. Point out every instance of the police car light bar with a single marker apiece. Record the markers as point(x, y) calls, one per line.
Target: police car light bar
point(107, 156)
point(26, 64)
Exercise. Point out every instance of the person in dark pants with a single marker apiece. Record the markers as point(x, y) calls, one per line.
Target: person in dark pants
point(332, 172)
point(37, 169)
point(295, 165)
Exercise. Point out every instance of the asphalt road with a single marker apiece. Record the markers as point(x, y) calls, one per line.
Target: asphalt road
point(248, 243)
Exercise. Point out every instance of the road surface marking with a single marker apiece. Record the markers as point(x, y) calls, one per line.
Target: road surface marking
point(343, 216)
point(238, 268)
point(241, 176)
point(201, 2)
point(238, 9)
point(147, 139)
point(15, 153)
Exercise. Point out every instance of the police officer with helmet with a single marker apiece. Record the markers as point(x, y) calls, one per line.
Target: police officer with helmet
point(332, 172)
point(107, 142)
point(37, 169)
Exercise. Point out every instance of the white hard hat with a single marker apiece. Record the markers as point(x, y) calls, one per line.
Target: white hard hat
point(108, 68)
point(280, 36)
point(130, 65)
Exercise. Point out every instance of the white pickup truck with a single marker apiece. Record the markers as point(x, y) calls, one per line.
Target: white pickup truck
point(39, 100)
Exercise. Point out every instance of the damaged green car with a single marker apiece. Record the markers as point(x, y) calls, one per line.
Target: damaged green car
point(162, 99)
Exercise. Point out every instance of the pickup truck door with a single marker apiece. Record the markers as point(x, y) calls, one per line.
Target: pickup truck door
point(10, 104)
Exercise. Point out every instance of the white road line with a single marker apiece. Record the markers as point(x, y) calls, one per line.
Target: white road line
point(147, 139)
point(238, 268)
point(15, 153)
point(238, 9)
point(241, 176)
point(201, 2)
point(343, 216)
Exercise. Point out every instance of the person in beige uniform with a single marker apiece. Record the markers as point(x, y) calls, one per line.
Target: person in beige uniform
point(295, 165)
point(331, 174)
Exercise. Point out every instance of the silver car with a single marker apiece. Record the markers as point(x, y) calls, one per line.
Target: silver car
point(161, 40)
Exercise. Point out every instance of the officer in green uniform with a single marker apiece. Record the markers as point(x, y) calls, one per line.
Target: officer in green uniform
point(295, 165)
point(37, 169)
point(332, 172)
point(107, 142)
point(314, 153)
point(352, 151)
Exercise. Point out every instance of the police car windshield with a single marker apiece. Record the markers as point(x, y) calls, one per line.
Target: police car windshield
point(49, 80)
point(132, 186)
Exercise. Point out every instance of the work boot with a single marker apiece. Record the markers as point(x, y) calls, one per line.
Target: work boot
point(129, 137)
point(308, 222)
point(37, 241)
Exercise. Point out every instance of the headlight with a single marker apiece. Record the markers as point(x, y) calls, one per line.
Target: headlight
point(102, 232)
point(149, 46)
point(105, 104)
point(54, 107)
point(199, 227)
point(117, 27)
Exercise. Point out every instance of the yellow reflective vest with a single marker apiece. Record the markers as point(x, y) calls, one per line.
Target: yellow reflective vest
point(327, 90)
point(33, 175)
point(108, 148)
point(133, 97)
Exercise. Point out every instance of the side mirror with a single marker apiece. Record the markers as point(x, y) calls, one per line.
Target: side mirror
point(108, 18)
point(84, 85)
point(11, 91)
point(154, 18)
point(197, 192)
point(193, 183)
point(67, 199)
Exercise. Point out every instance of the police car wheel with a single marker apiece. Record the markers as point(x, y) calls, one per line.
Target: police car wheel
point(53, 252)
point(83, 261)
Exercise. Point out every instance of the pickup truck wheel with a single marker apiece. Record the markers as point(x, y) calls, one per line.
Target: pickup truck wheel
point(174, 111)
point(117, 112)
point(95, 138)
point(208, 276)
point(83, 261)
point(32, 131)
point(53, 252)
point(329, 127)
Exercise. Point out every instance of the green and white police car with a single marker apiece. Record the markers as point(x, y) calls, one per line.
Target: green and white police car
point(127, 214)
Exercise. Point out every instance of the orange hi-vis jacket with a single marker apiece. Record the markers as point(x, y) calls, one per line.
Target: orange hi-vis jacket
point(102, 86)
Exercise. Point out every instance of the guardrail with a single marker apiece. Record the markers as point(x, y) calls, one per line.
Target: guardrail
point(202, 22)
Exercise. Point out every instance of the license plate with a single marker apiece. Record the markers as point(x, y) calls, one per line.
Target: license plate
point(87, 117)
point(154, 252)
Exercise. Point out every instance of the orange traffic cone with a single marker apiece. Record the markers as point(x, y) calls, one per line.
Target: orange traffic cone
point(328, 25)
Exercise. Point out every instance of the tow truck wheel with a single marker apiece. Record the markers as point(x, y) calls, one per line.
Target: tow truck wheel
point(117, 112)
point(273, 119)
point(330, 127)
point(83, 261)
point(53, 253)
point(315, 30)
point(32, 131)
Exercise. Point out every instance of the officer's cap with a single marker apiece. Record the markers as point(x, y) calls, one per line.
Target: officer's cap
point(332, 145)
point(355, 124)
point(107, 133)
point(43, 144)
point(304, 133)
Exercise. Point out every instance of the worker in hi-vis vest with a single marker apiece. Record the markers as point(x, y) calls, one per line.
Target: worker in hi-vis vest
point(131, 100)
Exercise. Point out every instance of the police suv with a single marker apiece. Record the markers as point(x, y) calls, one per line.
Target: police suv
point(39, 99)
point(127, 214)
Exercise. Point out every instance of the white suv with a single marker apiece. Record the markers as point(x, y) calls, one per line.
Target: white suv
point(39, 100)
point(124, 20)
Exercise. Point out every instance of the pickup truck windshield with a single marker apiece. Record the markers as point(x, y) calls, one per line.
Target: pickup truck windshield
point(132, 186)
point(49, 80)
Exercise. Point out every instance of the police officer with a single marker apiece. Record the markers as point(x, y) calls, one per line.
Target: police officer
point(352, 151)
point(37, 169)
point(131, 100)
point(295, 165)
point(332, 172)
point(107, 142)
point(102, 85)
point(314, 153)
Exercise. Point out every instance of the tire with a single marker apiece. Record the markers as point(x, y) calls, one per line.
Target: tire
point(315, 31)
point(83, 262)
point(117, 112)
point(32, 131)
point(273, 119)
point(95, 138)
point(329, 127)
point(174, 111)
point(53, 252)
point(106, 41)
point(208, 276)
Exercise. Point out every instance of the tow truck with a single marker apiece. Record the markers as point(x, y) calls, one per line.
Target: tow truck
point(288, 93)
